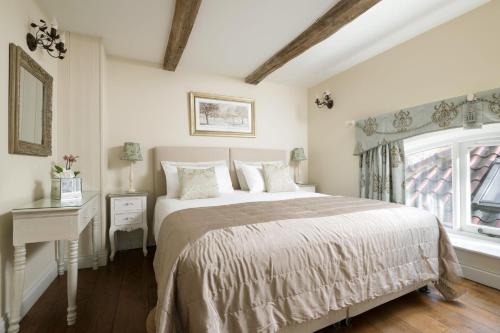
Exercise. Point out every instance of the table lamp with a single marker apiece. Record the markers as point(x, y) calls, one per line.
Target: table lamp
point(132, 153)
point(298, 155)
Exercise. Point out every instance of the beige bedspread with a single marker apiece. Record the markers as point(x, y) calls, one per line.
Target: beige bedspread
point(260, 266)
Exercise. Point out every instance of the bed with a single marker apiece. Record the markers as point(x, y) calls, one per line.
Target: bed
point(285, 262)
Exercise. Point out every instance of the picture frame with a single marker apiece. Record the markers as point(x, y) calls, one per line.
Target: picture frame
point(219, 115)
point(30, 105)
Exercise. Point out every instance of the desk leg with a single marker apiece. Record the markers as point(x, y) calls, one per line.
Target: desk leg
point(18, 282)
point(96, 224)
point(72, 280)
point(112, 241)
point(144, 239)
point(60, 257)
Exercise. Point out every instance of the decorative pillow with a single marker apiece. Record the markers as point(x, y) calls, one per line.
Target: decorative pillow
point(172, 178)
point(277, 178)
point(253, 178)
point(239, 172)
point(197, 183)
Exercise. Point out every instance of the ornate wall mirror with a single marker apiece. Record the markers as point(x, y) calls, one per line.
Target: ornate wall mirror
point(30, 105)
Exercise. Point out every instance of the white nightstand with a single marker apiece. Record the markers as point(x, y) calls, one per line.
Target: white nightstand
point(307, 187)
point(128, 211)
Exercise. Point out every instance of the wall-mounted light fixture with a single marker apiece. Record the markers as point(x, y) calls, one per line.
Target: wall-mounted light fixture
point(326, 100)
point(48, 38)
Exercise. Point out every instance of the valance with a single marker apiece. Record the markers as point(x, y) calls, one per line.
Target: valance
point(445, 114)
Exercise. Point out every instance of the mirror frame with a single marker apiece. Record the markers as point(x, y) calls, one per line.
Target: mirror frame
point(17, 59)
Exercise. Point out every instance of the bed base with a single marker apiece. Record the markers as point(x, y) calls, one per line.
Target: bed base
point(344, 316)
point(337, 317)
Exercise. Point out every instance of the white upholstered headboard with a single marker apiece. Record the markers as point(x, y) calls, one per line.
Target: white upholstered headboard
point(202, 154)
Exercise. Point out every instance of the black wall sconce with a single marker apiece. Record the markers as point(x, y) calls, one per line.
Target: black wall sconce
point(48, 38)
point(326, 100)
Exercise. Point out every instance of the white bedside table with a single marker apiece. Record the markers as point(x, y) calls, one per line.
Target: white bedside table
point(307, 187)
point(128, 211)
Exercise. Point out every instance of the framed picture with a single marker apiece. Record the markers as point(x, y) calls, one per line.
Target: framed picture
point(216, 115)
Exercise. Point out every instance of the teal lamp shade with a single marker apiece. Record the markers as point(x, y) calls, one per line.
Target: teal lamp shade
point(132, 152)
point(298, 154)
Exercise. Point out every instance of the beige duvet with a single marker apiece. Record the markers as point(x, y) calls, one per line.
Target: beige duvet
point(260, 266)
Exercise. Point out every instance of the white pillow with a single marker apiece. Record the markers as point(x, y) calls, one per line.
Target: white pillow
point(253, 178)
point(277, 178)
point(172, 177)
point(239, 173)
point(197, 183)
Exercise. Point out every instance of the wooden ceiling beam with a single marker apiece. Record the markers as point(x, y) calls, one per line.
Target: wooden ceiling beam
point(338, 16)
point(182, 24)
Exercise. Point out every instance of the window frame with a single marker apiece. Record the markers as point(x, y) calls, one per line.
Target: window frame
point(465, 212)
point(460, 141)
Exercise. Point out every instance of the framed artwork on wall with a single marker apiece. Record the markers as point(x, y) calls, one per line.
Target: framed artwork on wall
point(217, 115)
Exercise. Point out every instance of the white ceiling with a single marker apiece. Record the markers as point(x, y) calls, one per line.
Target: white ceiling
point(234, 37)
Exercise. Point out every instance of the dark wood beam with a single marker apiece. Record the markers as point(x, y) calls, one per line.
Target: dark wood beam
point(182, 24)
point(338, 16)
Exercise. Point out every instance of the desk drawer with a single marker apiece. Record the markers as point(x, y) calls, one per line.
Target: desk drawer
point(88, 212)
point(128, 218)
point(90, 209)
point(128, 204)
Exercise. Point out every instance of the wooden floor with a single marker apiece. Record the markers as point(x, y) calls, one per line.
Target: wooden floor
point(118, 297)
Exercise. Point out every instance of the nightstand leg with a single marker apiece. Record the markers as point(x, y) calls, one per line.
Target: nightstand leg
point(144, 240)
point(60, 257)
point(95, 237)
point(72, 280)
point(18, 282)
point(112, 243)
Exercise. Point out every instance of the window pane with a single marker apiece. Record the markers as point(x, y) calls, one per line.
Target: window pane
point(485, 185)
point(429, 182)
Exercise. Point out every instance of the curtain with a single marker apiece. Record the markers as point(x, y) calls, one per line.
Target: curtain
point(382, 173)
point(449, 113)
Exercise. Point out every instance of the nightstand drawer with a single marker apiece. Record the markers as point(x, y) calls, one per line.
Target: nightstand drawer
point(128, 204)
point(128, 218)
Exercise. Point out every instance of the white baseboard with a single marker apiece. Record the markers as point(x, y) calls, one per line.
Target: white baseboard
point(33, 293)
point(480, 276)
point(88, 261)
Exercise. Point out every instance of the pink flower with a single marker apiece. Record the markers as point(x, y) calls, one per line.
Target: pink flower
point(70, 159)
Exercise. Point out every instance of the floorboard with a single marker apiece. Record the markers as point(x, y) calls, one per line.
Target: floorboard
point(118, 297)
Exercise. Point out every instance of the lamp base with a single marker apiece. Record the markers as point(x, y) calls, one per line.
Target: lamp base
point(131, 188)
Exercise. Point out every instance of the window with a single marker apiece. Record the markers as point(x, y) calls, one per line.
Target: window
point(482, 210)
point(455, 174)
point(428, 183)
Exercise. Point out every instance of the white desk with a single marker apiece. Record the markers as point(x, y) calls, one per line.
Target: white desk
point(52, 220)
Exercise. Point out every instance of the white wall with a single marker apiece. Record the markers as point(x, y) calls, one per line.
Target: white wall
point(79, 131)
point(454, 59)
point(148, 105)
point(22, 178)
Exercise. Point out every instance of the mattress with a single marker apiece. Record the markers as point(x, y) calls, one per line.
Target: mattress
point(165, 206)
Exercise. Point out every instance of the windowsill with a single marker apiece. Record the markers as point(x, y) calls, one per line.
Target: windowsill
point(475, 244)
